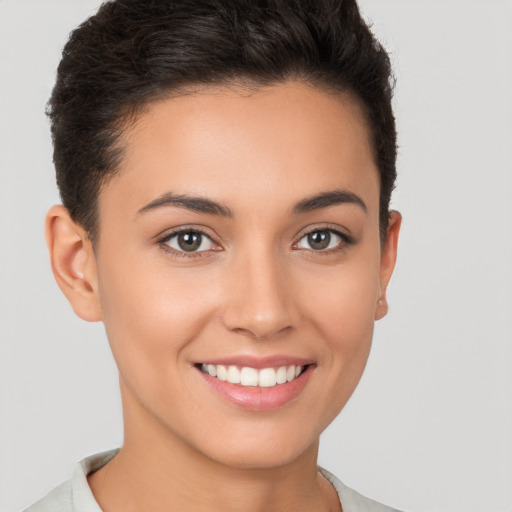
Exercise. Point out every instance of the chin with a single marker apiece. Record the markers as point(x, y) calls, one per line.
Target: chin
point(262, 451)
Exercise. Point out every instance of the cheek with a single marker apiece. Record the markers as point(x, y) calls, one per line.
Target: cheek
point(151, 313)
point(342, 311)
point(343, 302)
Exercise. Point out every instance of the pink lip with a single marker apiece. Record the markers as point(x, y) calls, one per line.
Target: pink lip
point(257, 398)
point(259, 362)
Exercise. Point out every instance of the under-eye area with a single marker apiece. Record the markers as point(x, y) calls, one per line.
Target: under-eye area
point(247, 376)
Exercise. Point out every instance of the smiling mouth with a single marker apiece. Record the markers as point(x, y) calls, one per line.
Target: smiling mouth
point(247, 376)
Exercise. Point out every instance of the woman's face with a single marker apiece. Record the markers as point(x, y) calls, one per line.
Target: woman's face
point(241, 237)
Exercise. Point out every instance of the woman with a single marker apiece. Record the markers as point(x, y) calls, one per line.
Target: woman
point(225, 169)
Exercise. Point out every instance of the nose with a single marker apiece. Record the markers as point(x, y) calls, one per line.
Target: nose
point(259, 301)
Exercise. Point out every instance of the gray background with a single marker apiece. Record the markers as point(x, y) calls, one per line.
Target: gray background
point(430, 426)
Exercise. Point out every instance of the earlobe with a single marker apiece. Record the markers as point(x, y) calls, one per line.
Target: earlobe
point(387, 262)
point(73, 263)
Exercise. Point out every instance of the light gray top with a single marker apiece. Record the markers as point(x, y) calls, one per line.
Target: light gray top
point(75, 495)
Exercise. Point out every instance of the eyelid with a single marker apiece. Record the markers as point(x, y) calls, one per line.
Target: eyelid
point(334, 228)
point(162, 240)
point(346, 238)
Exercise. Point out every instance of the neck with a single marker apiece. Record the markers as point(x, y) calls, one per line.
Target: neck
point(155, 470)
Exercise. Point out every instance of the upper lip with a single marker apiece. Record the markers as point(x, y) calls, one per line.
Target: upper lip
point(258, 363)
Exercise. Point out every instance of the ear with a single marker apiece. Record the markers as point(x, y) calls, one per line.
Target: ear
point(73, 263)
point(387, 262)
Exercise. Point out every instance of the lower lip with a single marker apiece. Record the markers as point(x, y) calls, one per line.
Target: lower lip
point(257, 398)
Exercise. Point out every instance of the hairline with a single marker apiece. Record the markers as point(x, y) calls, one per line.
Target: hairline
point(129, 116)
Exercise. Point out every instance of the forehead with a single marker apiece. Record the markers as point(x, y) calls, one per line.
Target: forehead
point(277, 144)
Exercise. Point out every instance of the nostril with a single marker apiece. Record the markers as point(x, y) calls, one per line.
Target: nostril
point(259, 303)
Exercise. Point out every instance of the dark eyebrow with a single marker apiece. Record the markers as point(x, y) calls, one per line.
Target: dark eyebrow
point(196, 204)
point(203, 205)
point(326, 199)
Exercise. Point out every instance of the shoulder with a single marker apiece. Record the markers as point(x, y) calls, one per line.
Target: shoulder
point(59, 499)
point(351, 500)
point(75, 495)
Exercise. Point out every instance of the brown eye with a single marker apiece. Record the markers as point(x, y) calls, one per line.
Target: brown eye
point(320, 240)
point(190, 241)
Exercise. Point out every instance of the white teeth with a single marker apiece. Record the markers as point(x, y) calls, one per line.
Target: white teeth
point(249, 376)
point(265, 378)
point(281, 375)
point(222, 373)
point(233, 375)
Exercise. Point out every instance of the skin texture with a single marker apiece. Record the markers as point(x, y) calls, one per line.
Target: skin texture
point(258, 289)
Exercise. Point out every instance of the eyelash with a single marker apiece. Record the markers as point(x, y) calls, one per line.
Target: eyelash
point(182, 254)
point(346, 241)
